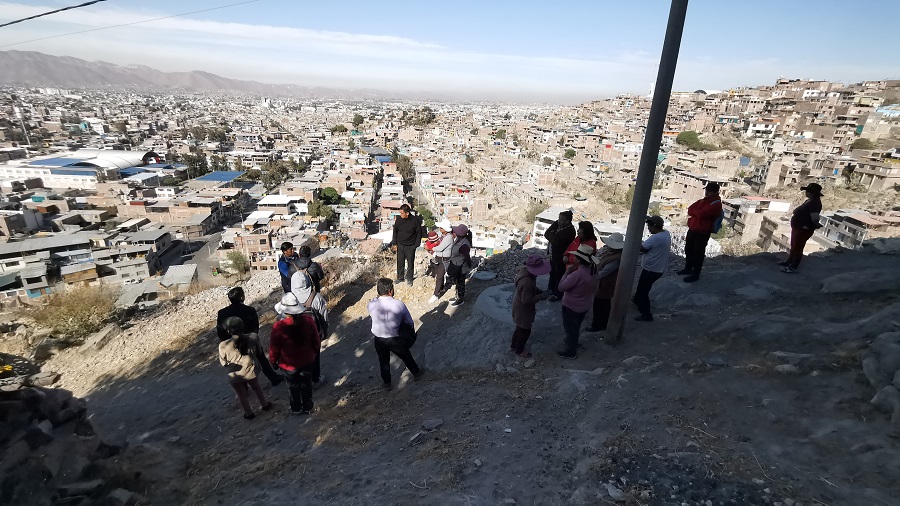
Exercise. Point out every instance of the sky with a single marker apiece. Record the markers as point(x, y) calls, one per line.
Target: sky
point(525, 50)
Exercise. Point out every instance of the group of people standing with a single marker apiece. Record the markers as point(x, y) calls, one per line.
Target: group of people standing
point(295, 343)
point(450, 247)
point(583, 278)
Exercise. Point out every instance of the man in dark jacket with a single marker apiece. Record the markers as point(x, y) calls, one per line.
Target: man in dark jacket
point(407, 237)
point(560, 235)
point(804, 222)
point(702, 215)
point(251, 325)
point(315, 271)
point(286, 265)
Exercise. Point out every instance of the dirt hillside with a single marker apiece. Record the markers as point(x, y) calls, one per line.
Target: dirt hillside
point(747, 389)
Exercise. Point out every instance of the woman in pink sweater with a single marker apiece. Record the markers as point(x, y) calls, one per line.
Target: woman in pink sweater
point(577, 285)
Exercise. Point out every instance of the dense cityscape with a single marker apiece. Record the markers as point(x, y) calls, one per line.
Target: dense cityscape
point(122, 187)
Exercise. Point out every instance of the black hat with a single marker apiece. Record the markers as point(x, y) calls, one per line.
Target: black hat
point(656, 221)
point(712, 187)
point(816, 188)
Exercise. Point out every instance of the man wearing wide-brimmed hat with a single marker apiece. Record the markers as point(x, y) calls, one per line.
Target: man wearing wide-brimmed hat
point(804, 222)
point(525, 298)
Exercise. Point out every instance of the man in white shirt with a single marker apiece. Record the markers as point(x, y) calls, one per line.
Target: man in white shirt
point(655, 256)
point(387, 315)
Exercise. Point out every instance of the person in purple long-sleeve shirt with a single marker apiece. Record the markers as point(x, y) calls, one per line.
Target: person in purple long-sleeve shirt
point(577, 286)
point(387, 315)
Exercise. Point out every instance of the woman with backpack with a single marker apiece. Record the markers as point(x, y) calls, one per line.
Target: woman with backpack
point(236, 354)
point(460, 262)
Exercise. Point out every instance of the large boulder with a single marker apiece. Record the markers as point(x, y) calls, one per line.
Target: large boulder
point(867, 281)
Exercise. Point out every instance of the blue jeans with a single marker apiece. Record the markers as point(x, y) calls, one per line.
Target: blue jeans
point(572, 325)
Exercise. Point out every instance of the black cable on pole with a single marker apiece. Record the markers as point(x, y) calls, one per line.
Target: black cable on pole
point(92, 2)
point(130, 24)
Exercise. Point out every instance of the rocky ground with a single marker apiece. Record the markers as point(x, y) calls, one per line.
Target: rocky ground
point(748, 388)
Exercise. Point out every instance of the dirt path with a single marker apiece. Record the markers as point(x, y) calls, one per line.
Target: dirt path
point(676, 414)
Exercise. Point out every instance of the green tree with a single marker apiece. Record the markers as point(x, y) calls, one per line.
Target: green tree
point(239, 263)
point(197, 164)
point(405, 168)
point(691, 140)
point(629, 196)
point(217, 162)
point(239, 164)
point(469, 158)
point(500, 134)
point(253, 175)
point(329, 196)
point(473, 131)
point(274, 174)
point(319, 209)
point(218, 135)
point(351, 145)
point(358, 120)
point(862, 143)
point(546, 161)
point(338, 129)
point(426, 214)
point(569, 154)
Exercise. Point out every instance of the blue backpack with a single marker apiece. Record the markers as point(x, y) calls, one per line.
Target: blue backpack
point(717, 225)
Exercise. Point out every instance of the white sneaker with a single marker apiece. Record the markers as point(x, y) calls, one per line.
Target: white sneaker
point(433, 299)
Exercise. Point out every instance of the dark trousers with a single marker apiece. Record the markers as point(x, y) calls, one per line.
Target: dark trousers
point(316, 372)
point(557, 269)
point(300, 387)
point(799, 236)
point(695, 251)
point(572, 325)
point(242, 389)
point(458, 279)
point(600, 318)
point(642, 294)
point(266, 367)
point(439, 272)
point(519, 338)
point(406, 259)
point(383, 347)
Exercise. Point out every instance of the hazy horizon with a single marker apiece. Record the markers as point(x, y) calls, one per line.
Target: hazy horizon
point(566, 52)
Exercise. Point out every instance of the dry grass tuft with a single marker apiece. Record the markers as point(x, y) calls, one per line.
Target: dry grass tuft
point(77, 313)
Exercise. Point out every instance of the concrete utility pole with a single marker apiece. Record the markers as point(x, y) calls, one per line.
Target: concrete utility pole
point(644, 184)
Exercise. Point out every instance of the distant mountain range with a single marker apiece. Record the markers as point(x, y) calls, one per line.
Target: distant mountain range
point(38, 69)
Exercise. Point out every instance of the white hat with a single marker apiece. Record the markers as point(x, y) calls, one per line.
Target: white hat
point(289, 305)
point(444, 224)
point(614, 240)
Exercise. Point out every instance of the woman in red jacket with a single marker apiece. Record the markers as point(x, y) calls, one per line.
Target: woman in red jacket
point(293, 347)
point(702, 215)
point(585, 235)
